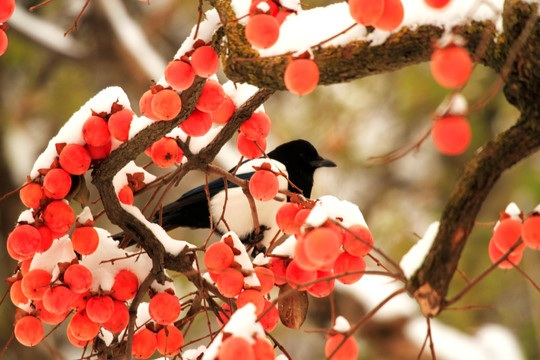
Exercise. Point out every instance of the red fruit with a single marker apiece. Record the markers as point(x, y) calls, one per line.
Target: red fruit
point(263, 349)
point(391, 17)
point(99, 152)
point(7, 7)
point(82, 327)
point(169, 340)
point(495, 254)
point(3, 42)
point(249, 148)
point(59, 217)
point(119, 124)
point(80, 303)
point(297, 277)
point(78, 278)
point(323, 288)
point(279, 268)
point(125, 195)
point(75, 159)
point(264, 185)
point(224, 315)
point(29, 331)
point(218, 256)
point(262, 31)
point(349, 269)
point(48, 317)
point(225, 111)
point(85, 240)
point(451, 66)
point(164, 308)
point(119, 319)
point(31, 194)
point(145, 105)
point(24, 266)
point(301, 76)
point(358, 240)
point(58, 299)
point(347, 351)
point(197, 124)
point(95, 131)
point(437, 4)
point(144, 344)
point(507, 234)
point(205, 61)
point(285, 218)
point(46, 239)
point(530, 232)
point(257, 126)
point(15, 255)
point(230, 282)
point(57, 183)
point(251, 296)
point(100, 308)
point(257, 7)
point(166, 104)
point(451, 135)
point(366, 12)
point(234, 348)
point(179, 75)
point(266, 278)
point(125, 285)
point(34, 284)
point(300, 256)
point(282, 15)
point(270, 318)
point(16, 294)
point(25, 240)
point(300, 219)
point(165, 152)
point(322, 245)
point(212, 97)
point(74, 341)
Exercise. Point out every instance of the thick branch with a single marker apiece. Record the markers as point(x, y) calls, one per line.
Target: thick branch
point(430, 284)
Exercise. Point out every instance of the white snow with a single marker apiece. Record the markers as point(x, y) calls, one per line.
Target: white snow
point(240, 93)
point(60, 251)
point(345, 212)
point(26, 216)
point(286, 248)
point(317, 216)
point(341, 325)
point(244, 260)
point(413, 259)
point(121, 178)
point(138, 124)
point(513, 210)
point(85, 216)
point(453, 104)
point(71, 132)
point(193, 354)
point(308, 28)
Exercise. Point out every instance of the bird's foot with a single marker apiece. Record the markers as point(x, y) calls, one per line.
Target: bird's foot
point(255, 237)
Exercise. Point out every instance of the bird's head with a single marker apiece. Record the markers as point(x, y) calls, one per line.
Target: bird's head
point(301, 160)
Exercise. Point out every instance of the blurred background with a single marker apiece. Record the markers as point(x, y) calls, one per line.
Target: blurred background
point(45, 77)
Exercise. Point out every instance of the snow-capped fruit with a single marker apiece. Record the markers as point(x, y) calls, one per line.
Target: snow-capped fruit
point(59, 217)
point(57, 183)
point(119, 124)
point(451, 135)
point(85, 240)
point(205, 61)
point(249, 148)
point(179, 74)
point(164, 308)
point(257, 126)
point(262, 31)
point(165, 152)
point(166, 104)
point(212, 97)
point(198, 123)
point(31, 195)
point(346, 351)
point(264, 7)
point(95, 131)
point(263, 185)
point(29, 331)
point(451, 66)
point(366, 12)
point(391, 17)
point(301, 76)
point(75, 159)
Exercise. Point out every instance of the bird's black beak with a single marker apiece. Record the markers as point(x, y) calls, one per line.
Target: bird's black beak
point(321, 162)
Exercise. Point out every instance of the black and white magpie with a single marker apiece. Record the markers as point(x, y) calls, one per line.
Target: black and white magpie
point(297, 159)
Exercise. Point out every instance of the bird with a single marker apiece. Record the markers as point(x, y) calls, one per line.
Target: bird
point(298, 159)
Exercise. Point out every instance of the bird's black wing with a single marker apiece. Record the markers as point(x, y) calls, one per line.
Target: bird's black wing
point(191, 209)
